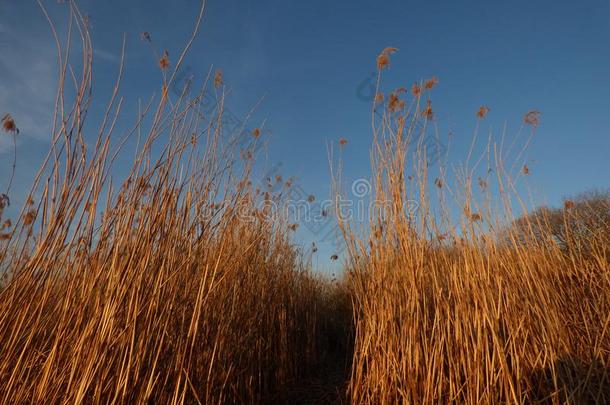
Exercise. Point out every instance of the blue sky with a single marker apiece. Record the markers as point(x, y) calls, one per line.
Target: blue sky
point(308, 58)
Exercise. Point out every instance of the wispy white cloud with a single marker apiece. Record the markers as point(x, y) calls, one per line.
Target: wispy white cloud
point(28, 86)
point(105, 55)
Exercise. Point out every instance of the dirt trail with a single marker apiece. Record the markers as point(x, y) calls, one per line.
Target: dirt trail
point(328, 386)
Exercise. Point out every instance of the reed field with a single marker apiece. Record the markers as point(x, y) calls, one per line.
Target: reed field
point(178, 281)
point(486, 308)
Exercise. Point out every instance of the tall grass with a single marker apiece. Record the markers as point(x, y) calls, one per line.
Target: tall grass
point(468, 308)
point(176, 282)
point(172, 284)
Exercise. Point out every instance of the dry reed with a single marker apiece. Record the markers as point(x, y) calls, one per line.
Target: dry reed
point(473, 309)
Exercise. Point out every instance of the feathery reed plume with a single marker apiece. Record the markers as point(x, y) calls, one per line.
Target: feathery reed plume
point(532, 118)
point(9, 126)
point(383, 60)
point(430, 83)
point(218, 78)
point(164, 61)
point(482, 112)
